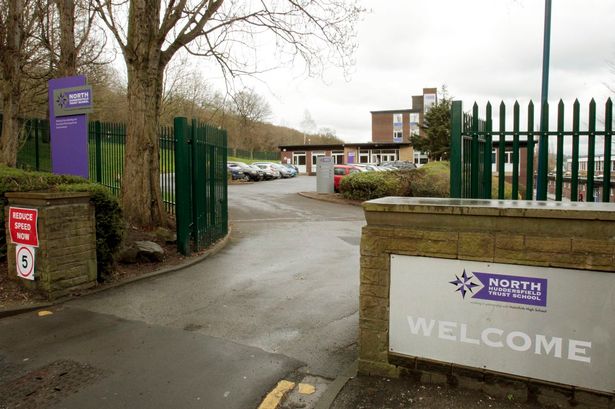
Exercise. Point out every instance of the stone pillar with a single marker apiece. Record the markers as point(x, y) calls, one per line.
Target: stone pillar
point(66, 256)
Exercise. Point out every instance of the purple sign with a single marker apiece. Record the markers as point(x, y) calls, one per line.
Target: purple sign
point(504, 288)
point(350, 157)
point(69, 134)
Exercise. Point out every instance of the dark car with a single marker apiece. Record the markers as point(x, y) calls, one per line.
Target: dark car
point(247, 170)
point(236, 172)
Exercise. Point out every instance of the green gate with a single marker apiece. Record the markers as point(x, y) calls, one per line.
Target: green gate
point(200, 184)
point(579, 178)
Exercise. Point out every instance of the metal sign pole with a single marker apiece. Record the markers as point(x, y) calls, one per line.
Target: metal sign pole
point(543, 147)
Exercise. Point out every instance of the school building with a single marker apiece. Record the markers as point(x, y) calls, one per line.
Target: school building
point(391, 131)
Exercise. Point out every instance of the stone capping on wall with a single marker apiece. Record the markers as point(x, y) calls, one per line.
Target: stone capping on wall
point(486, 207)
point(48, 198)
point(574, 235)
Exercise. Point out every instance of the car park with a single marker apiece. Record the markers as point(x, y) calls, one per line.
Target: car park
point(341, 171)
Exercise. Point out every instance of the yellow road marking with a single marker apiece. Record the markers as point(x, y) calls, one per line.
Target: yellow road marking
point(44, 313)
point(273, 398)
point(306, 389)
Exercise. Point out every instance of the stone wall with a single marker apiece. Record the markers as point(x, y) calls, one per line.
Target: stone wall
point(570, 235)
point(66, 256)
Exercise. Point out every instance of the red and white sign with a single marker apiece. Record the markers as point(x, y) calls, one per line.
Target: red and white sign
point(22, 225)
point(25, 261)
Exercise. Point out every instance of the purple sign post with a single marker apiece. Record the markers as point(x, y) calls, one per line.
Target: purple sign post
point(69, 101)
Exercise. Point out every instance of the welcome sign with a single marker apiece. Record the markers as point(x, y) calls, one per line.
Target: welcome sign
point(544, 323)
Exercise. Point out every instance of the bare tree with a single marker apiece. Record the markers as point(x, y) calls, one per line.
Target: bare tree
point(16, 24)
point(315, 31)
point(68, 32)
point(250, 108)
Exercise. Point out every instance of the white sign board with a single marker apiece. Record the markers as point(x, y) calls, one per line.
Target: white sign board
point(24, 257)
point(544, 323)
point(324, 174)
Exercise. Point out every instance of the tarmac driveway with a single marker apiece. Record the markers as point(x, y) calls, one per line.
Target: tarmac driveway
point(282, 297)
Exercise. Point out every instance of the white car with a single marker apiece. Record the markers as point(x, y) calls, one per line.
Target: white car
point(268, 166)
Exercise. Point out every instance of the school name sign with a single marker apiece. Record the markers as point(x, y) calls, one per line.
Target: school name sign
point(72, 101)
point(543, 323)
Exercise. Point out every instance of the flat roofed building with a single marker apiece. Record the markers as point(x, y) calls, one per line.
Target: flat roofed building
point(391, 130)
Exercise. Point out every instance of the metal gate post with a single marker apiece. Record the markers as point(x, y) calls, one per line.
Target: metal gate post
point(456, 123)
point(183, 185)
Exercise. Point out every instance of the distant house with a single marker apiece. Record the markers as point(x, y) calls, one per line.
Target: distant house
point(391, 130)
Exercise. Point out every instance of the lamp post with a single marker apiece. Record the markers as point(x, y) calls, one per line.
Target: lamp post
point(543, 144)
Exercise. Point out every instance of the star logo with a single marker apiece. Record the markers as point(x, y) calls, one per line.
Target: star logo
point(62, 100)
point(464, 284)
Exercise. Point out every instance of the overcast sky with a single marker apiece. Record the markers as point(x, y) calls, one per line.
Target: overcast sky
point(481, 49)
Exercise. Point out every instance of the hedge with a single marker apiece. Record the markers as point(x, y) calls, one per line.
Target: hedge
point(431, 180)
point(109, 220)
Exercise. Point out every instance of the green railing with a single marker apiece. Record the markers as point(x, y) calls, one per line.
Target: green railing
point(472, 141)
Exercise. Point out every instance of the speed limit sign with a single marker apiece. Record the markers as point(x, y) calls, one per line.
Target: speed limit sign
point(25, 261)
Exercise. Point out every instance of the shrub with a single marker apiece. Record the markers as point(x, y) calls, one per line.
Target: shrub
point(109, 222)
point(431, 180)
point(371, 185)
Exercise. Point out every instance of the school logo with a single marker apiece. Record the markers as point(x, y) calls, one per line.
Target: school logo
point(502, 288)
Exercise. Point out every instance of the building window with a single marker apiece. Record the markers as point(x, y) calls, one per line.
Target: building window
point(429, 100)
point(363, 157)
point(315, 156)
point(338, 157)
point(398, 127)
point(299, 158)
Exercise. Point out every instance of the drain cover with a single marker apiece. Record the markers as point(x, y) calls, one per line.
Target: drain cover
point(46, 385)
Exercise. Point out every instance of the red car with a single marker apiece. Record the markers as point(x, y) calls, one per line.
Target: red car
point(340, 171)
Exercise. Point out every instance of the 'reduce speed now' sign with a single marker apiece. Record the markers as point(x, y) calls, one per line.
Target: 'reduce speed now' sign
point(24, 234)
point(544, 323)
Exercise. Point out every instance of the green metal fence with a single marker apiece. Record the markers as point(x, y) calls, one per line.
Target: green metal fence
point(34, 150)
point(254, 155)
point(472, 161)
point(202, 208)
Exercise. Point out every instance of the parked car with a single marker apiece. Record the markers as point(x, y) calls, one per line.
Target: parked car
point(284, 171)
point(290, 165)
point(236, 172)
point(261, 172)
point(367, 167)
point(270, 171)
point(249, 171)
point(399, 164)
point(341, 171)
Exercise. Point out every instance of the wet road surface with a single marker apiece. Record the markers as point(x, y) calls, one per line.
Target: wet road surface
point(281, 297)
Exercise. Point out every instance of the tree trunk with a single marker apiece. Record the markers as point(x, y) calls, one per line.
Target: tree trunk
point(67, 66)
point(10, 59)
point(141, 197)
point(10, 128)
